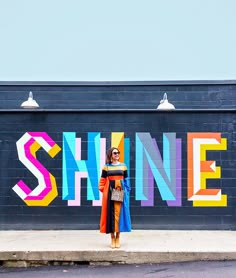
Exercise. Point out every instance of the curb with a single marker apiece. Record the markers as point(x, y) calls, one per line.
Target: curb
point(24, 259)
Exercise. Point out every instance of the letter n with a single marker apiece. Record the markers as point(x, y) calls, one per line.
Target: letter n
point(166, 171)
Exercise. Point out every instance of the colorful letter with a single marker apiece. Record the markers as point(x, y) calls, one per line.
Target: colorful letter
point(167, 173)
point(200, 169)
point(46, 191)
point(74, 168)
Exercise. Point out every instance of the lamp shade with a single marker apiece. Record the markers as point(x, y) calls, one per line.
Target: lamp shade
point(165, 104)
point(30, 103)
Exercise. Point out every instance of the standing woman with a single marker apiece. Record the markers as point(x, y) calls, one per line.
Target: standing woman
point(115, 216)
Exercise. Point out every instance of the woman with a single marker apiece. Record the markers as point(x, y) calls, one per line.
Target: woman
point(115, 216)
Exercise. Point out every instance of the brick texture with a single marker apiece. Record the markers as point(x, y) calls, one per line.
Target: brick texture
point(15, 214)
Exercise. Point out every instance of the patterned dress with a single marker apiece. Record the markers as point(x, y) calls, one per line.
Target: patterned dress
point(115, 216)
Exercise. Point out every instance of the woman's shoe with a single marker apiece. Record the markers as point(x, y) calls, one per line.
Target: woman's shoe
point(117, 242)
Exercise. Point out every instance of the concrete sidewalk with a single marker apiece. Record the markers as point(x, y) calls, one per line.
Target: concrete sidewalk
point(23, 248)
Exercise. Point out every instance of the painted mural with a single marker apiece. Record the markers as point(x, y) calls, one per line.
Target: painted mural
point(154, 167)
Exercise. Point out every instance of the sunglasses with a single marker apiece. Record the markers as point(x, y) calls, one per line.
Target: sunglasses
point(115, 153)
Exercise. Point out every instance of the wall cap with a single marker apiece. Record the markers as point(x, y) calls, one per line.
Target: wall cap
point(118, 83)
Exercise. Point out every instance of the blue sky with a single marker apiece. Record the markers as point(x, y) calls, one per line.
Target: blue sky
point(125, 40)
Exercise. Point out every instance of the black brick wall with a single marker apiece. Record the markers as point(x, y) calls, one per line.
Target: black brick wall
point(120, 95)
point(15, 214)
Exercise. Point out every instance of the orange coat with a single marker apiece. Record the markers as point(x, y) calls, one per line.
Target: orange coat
point(107, 215)
point(104, 187)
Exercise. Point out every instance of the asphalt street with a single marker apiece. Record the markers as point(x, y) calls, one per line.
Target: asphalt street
point(226, 269)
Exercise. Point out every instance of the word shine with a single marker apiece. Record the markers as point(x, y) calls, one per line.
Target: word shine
point(151, 168)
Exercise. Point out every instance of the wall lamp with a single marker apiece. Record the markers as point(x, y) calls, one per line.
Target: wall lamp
point(164, 104)
point(30, 103)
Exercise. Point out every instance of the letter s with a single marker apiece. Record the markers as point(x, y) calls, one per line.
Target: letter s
point(46, 190)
